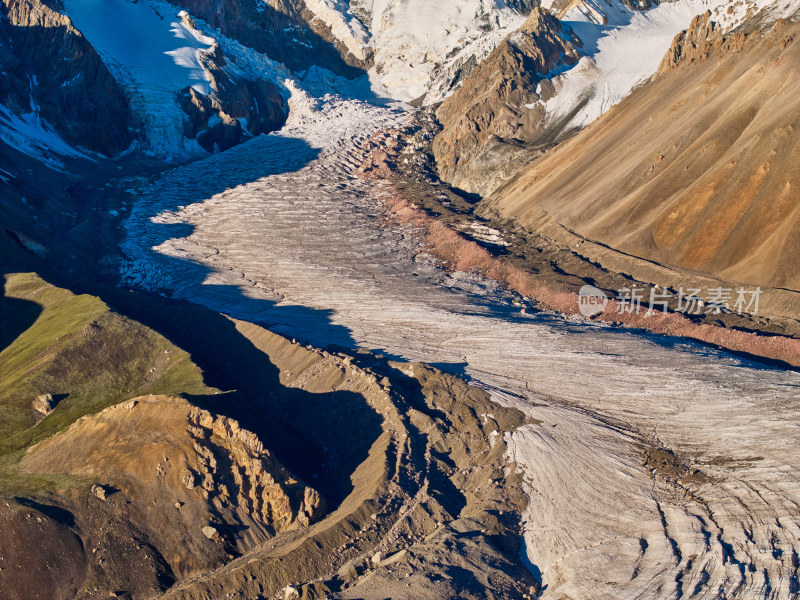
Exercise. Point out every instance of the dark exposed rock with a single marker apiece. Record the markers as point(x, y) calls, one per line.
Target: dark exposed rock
point(216, 120)
point(49, 67)
point(278, 28)
point(523, 6)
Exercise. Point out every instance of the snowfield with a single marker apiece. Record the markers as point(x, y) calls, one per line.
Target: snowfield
point(154, 54)
point(623, 48)
point(418, 45)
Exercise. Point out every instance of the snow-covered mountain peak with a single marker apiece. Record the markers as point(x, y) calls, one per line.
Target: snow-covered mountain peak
point(417, 46)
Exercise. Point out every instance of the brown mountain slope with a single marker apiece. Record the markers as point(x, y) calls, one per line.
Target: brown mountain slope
point(487, 130)
point(697, 169)
point(120, 487)
point(182, 468)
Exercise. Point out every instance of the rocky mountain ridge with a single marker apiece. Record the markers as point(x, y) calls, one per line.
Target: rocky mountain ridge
point(157, 495)
point(50, 71)
point(489, 118)
point(206, 475)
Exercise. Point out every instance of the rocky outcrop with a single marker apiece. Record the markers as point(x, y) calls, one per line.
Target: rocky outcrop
point(237, 109)
point(278, 28)
point(43, 405)
point(490, 118)
point(705, 37)
point(523, 6)
point(183, 465)
point(234, 468)
point(692, 44)
point(48, 67)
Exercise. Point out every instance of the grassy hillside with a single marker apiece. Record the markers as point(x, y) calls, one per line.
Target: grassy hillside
point(75, 348)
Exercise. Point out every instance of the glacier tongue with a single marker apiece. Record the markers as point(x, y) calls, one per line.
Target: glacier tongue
point(281, 231)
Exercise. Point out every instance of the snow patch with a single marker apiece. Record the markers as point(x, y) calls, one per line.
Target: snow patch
point(623, 49)
point(32, 135)
point(344, 26)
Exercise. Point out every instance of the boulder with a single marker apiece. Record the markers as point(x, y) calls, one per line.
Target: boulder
point(44, 404)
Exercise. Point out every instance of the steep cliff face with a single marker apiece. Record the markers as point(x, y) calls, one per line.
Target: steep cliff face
point(523, 6)
point(489, 118)
point(697, 169)
point(237, 112)
point(204, 476)
point(284, 30)
point(49, 69)
point(607, 50)
point(694, 44)
point(189, 97)
point(236, 107)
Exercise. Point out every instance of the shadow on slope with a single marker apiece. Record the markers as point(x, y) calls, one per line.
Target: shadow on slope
point(55, 78)
point(15, 316)
point(301, 428)
point(193, 184)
